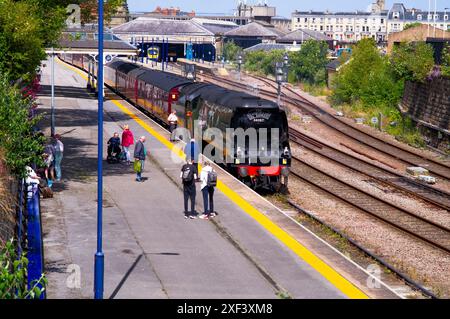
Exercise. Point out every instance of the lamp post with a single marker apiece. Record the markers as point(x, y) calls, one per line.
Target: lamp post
point(239, 61)
point(444, 29)
point(99, 256)
point(279, 75)
point(53, 95)
point(286, 67)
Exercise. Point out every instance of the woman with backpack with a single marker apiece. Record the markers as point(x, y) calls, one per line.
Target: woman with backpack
point(208, 178)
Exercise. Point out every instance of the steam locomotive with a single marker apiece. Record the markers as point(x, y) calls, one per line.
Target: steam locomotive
point(222, 117)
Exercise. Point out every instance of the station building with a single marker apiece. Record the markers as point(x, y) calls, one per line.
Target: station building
point(181, 36)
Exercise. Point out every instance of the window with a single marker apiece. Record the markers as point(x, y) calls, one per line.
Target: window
point(298, 19)
point(321, 28)
point(436, 17)
point(446, 17)
point(419, 17)
point(382, 21)
point(365, 21)
point(306, 19)
point(396, 15)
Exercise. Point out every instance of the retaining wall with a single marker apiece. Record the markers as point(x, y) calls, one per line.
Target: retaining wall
point(428, 104)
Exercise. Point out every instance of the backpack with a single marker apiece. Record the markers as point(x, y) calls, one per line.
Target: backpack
point(212, 179)
point(188, 174)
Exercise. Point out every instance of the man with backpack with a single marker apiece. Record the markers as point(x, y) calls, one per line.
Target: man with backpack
point(188, 176)
point(208, 177)
point(191, 150)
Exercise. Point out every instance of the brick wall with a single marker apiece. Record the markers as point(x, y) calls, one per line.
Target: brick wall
point(430, 102)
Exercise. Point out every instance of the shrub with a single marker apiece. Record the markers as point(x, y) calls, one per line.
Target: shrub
point(20, 145)
point(13, 276)
point(412, 61)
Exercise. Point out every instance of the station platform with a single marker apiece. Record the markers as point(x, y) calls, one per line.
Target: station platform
point(250, 250)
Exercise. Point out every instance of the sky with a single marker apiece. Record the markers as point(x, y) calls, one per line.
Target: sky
point(284, 8)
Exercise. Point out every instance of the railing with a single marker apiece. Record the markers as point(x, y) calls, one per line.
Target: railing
point(29, 232)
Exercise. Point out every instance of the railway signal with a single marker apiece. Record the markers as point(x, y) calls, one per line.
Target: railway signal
point(239, 62)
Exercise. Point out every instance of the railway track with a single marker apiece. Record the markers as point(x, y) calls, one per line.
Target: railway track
point(386, 147)
point(441, 170)
point(429, 194)
point(415, 226)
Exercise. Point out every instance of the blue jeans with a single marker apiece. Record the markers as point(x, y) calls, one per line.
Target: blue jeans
point(208, 200)
point(139, 175)
point(58, 159)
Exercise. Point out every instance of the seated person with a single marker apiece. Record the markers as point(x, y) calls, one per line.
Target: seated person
point(114, 146)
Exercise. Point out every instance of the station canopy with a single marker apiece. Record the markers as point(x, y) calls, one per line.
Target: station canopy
point(176, 31)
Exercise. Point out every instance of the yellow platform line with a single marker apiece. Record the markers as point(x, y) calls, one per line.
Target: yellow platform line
point(336, 279)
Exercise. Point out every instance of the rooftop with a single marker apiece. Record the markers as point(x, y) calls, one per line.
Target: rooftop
point(155, 26)
point(256, 29)
point(304, 35)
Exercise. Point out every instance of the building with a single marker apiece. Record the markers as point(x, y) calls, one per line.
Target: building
point(254, 33)
point(258, 12)
point(302, 35)
point(420, 33)
point(172, 12)
point(378, 23)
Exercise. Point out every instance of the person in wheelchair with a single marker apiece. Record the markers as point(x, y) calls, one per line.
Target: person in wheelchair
point(114, 149)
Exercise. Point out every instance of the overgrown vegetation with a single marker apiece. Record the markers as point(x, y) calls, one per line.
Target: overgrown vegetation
point(231, 51)
point(371, 84)
point(411, 25)
point(412, 61)
point(262, 62)
point(445, 65)
point(20, 145)
point(306, 65)
point(13, 276)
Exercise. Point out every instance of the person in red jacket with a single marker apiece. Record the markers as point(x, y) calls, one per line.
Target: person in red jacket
point(127, 141)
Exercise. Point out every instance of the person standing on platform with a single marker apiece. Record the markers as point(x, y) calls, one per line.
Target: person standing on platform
point(139, 158)
point(192, 152)
point(59, 150)
point(49, 160)
point(208, 178)
point(127, 141)
point(188, 177)
point(173, 124)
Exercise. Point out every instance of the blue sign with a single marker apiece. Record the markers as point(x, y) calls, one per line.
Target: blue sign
point(189, 51)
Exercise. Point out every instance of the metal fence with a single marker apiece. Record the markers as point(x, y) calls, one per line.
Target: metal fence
point(29, 231)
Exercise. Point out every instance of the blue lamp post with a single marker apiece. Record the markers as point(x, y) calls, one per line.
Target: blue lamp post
point(99, 256)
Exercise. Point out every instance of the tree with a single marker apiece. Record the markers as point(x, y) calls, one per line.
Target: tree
point(309, 63)
point(231, 51)
point(412, 61)
point(263, 62)
point(21, 42)
point(89, 10)
point(367, 78)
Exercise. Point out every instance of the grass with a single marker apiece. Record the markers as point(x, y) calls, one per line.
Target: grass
point(392, 122)
point(316, 89)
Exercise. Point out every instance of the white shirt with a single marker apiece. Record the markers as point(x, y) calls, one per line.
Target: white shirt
point(32, 177)
point(59, 146)
point(172, 118)
point(204, 175)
